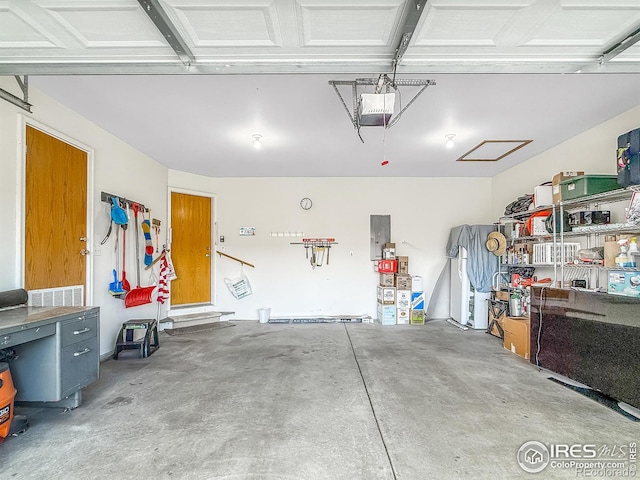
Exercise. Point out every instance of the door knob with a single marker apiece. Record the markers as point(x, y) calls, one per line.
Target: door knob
point(83, 239)
point(84, 251)
point(207, 254)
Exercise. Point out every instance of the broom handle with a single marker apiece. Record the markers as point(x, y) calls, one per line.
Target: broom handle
point(135, 215)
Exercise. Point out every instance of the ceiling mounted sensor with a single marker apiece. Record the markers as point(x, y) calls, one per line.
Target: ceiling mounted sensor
point(493, 150)
point(374, 100)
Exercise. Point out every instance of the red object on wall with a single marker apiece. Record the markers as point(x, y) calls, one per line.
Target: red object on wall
point(387, 266)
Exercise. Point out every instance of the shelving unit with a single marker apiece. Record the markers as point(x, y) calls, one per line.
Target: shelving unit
point(591, 235)
point(521, 217)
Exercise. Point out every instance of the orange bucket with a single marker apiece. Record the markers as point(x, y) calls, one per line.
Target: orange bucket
point(7, 394)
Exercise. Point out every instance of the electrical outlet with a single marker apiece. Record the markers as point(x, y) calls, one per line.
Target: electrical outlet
point(221, 238)
point(97, 250)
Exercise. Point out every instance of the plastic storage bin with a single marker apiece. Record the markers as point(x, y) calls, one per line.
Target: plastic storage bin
point(544, 254)
point(588, 185)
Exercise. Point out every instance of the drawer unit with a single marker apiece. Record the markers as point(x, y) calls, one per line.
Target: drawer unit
point(53, 368)
point(27, 335)
point(79, 328)
point(78, 365)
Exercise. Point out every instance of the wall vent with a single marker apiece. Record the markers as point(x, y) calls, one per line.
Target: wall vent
point(72, 296)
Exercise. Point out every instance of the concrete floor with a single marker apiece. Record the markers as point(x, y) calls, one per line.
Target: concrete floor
point(323, 401)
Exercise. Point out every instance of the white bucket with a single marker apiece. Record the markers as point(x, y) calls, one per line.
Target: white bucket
point(263, 314)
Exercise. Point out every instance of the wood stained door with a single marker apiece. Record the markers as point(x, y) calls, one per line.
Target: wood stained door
point(55, 212)
point(191, 248)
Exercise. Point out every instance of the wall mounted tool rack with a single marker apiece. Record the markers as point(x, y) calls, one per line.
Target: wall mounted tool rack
point(318, 248)
point(124, 202)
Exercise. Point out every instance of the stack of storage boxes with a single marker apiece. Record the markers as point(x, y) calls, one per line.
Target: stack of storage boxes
point(400, 296)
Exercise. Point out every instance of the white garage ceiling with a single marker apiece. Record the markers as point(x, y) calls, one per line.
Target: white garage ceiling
point(190, 81)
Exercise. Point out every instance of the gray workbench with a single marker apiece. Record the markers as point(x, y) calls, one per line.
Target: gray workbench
point(57, 353)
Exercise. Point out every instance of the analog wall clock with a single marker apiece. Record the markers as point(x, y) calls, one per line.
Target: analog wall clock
point(306, 203)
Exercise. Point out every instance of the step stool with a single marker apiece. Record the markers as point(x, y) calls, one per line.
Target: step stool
point(147, 344)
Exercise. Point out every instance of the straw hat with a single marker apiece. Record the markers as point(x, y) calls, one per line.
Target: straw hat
point(496, 243)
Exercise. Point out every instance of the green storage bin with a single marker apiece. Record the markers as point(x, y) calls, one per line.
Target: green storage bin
point(585, 185)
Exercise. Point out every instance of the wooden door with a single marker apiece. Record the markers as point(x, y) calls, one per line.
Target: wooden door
point(191, 248)
point(55, 212)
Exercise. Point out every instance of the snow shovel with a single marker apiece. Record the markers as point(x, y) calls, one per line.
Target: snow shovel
point(139, 295)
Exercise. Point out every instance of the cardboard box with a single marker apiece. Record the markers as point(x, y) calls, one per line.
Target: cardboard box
point(502, 295)
point(387, 295)
point(402, 316)
point(416, 283)
point(403, 265)
point(403, 299)
point(389, 253)
point(386, 314)
point(386, 280)
point(611, 250)
point(542, 195)
point(417, 301)
point(417, 317)
point(402, 282)
point(555, 184)
point(389, 245)
point(517, 336)
point(624, 282)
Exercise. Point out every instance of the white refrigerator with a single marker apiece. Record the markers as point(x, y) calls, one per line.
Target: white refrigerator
point(467, 306)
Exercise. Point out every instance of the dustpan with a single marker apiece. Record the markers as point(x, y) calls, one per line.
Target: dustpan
point(118, 215)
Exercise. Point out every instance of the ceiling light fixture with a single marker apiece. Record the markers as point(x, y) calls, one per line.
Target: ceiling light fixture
point(257, 144)
point(450, 143)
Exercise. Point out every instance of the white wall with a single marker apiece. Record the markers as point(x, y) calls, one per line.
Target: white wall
point(592, 152)
point(118, 169)
point(422, 210)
